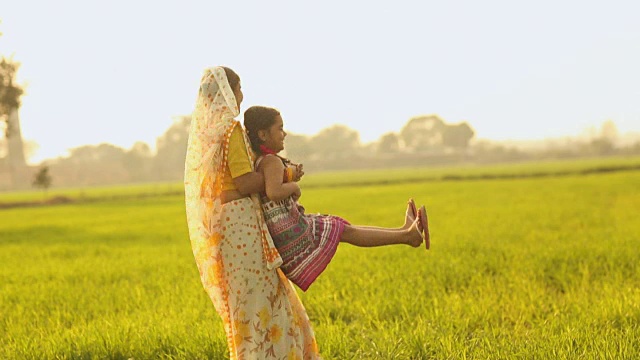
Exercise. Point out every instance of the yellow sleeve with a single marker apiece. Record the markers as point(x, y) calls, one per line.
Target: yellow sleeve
point(238, 158)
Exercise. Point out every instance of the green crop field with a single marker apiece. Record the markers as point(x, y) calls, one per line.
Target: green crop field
point(543, 265)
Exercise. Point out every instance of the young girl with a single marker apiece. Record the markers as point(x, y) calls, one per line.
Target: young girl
point(307, 242)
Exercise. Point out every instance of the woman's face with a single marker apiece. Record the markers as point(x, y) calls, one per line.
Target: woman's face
point(237, 92)
point(274, 135)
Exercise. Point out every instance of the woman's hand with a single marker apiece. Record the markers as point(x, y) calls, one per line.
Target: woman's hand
point(296, 194)
point(249, 183)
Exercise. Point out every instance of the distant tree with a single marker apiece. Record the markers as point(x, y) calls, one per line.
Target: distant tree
point(94, 165)
point(336, 142)
point(172, 149)
point(389, 143)
point(603, 143)
point(609, 131)
point(138, 161)
point(423, 132)
point(42, 179)
point(298, 147)
point(96, 154)
point(457, 136)
point(601, 146)
point(10, 91)
point(30, 148)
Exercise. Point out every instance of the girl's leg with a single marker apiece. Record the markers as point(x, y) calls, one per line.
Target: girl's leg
point(401, 229)
point(364, 236)
point(409, 218)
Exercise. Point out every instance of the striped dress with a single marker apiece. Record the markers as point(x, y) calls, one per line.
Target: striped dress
point(305, 242)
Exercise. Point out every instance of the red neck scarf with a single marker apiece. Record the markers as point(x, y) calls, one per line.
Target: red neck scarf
point(265, 150)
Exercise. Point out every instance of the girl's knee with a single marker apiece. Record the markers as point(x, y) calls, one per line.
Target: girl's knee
point(348, 229)
point(347, 233)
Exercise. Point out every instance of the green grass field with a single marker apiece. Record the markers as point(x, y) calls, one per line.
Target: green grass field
point(520, 268)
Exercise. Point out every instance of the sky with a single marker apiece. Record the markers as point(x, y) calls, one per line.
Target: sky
point(120, 71)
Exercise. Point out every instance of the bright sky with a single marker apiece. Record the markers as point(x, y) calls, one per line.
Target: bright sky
point(117, 71)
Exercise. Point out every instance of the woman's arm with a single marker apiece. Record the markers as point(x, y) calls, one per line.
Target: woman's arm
point(249, 183)
point(276, 190)
point(245, 180)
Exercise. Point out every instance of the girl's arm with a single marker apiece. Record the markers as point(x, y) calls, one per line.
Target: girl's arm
point(253, 182)
point(249, 183)
point(273, 168)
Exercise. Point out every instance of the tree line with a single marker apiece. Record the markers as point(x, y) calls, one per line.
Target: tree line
point(332, 148)
point(422, 141)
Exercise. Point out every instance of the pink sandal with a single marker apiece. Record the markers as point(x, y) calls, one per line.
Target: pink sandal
point(425, 226)
point(423, 223)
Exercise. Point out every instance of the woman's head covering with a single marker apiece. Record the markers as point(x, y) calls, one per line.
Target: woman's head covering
point(215, 110)
point(205, 164)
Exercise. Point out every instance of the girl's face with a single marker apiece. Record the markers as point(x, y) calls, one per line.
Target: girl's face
point(274, 136)
point(237, 92)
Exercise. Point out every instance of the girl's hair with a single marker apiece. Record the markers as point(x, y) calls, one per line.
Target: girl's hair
point(232, 77)
point(258, 118)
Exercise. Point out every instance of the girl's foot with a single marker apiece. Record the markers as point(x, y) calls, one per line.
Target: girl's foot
point(410, 215)
point(413, 234)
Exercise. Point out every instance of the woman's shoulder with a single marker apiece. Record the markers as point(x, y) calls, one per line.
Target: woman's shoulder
point(235, 133)
point(235, 127)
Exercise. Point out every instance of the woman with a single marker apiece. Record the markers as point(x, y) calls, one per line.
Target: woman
point(238, 263)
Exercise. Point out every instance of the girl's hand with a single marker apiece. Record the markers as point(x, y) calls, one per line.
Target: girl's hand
point(292, 173)
point(277, 188)
point(298, 172)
